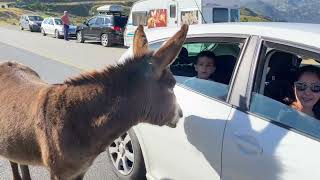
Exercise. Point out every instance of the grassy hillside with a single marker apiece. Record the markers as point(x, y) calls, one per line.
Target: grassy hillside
point(11, 15)
point(82, 9)
point(247, 15)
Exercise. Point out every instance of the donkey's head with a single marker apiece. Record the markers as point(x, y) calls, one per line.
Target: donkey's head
point(154, 84)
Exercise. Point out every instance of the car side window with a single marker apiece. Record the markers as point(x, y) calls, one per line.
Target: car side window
point(107, 21)
point(206, 67)
point(99, 21)
point(50, 22)
point(275, 94)
point(92, 21)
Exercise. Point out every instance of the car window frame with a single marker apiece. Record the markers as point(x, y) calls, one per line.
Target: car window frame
point(103, 20)
point(109, 19)
point(280, 45)
point(217, 37)
point(50, 22)
point(92, 19)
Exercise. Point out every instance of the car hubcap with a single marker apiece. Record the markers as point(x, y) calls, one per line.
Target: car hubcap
point(122, 154)
point(104, 40)
point(57, 34)
point(79, 36)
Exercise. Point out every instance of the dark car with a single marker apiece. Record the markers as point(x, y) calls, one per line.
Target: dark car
point(30, 22)
point(108, 29)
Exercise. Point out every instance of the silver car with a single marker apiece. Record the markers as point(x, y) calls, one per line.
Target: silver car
point(238, 126)
point(31, 22)
point(54, 26)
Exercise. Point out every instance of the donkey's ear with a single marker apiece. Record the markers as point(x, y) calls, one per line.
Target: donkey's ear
point(165, 56)
point(140, 43)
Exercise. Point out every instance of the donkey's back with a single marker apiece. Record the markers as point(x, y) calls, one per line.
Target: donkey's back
point(20, 94)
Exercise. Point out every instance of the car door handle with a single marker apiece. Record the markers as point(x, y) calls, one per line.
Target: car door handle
point(248, 144)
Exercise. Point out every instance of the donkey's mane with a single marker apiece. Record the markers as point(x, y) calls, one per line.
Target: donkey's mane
point(117, 71)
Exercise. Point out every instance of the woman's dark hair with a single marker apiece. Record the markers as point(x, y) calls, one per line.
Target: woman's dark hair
point(208, 54)
point(314, 70)
point(308, 69)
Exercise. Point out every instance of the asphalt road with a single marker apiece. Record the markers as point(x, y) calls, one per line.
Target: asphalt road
point(55, 60)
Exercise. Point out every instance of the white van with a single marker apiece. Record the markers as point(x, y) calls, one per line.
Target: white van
point(170, 13)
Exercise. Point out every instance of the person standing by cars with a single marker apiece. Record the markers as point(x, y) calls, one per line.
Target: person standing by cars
point(66, 23)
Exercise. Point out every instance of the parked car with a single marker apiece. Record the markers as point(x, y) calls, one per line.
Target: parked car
point(108, 29)
point(54, 26)
point(233, 127)
point(30, 22)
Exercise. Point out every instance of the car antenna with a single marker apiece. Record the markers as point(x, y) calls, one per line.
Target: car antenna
point(200, 11)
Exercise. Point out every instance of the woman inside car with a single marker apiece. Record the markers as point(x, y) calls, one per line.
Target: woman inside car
point(307, 91)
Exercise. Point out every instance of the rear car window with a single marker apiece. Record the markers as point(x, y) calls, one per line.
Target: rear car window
point(35, 18)
point(120, 21)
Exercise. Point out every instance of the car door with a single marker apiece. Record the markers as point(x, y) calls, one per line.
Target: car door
point(266, 139)
point(173, 14)
point(192, 150)
point(97, 28)
point(88, 29)
point(50, 26)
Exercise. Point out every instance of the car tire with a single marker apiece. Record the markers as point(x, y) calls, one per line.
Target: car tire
point(57, 35)
point(105, 40)
point(31, 29)
point(80, 37)
point(21, 28)
point(43, 32)
point(126, 150)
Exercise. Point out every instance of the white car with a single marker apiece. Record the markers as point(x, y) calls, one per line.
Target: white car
point(233, 128)
point(54, 26)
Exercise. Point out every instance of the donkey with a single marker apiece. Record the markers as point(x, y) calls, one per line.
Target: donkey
point(64, 127)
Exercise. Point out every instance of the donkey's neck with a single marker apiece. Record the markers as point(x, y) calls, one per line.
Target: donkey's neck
point(101, 108)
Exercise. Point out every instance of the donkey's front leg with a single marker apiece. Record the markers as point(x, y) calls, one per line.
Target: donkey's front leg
point(25, 172)
point(15, 171)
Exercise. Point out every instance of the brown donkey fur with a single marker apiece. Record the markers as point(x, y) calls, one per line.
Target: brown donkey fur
point(64, 127)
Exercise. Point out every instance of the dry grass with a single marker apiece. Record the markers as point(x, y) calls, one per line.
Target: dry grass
point(11, 15)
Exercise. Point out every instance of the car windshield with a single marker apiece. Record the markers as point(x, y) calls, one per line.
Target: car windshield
point(35, 18)
point(58, 21)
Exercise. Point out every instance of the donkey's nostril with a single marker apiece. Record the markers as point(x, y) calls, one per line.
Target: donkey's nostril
point(180, 113)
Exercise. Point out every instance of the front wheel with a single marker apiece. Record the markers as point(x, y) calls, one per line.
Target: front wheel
point(43, 32)
point(57, 34)
point(105, 40)
point(31, 29)
point(125, 157)
point(80, 38)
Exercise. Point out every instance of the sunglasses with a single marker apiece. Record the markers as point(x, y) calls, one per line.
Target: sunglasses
point(302, 86)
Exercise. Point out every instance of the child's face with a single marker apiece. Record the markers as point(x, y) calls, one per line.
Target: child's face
point(205, 67)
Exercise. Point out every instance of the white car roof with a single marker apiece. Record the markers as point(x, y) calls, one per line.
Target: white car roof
point(308, 34)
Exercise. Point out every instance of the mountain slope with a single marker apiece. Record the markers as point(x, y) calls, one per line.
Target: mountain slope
point(286, 10)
